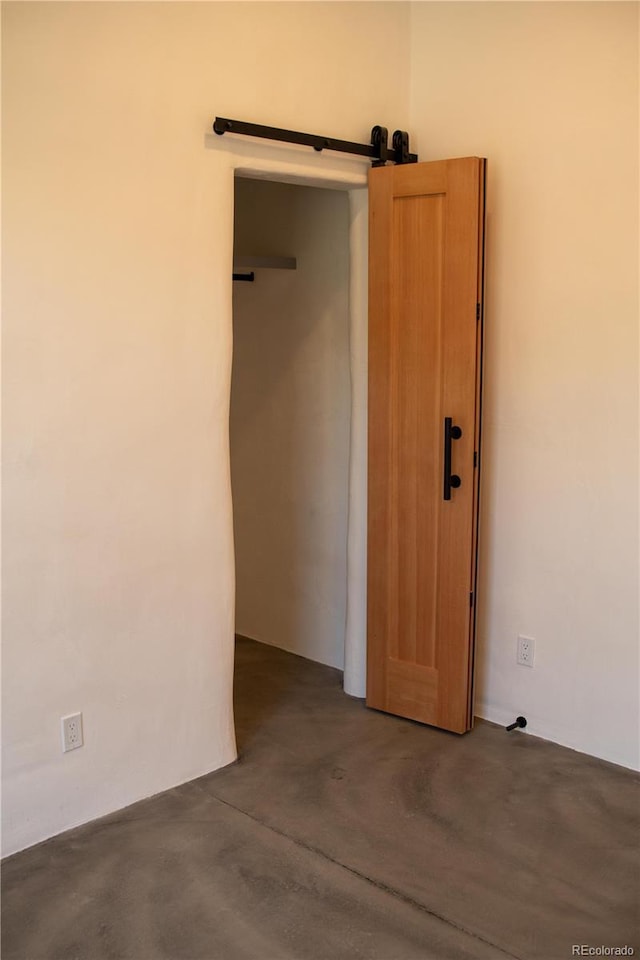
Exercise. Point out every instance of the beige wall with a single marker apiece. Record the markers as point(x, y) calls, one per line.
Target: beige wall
point(117, 349)
point(290, 417)
point(548, 92)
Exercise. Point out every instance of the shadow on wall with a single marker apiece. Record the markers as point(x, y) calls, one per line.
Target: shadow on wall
point(289, 421)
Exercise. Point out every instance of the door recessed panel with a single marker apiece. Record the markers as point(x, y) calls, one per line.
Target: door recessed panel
point(416, 319)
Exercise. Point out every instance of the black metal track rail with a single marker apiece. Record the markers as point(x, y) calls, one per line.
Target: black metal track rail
point(378, 150)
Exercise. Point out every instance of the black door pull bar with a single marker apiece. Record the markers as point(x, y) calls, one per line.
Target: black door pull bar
point(450, 479)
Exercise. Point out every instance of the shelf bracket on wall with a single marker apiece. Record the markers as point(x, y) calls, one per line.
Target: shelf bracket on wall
point(242, 264)
point(377, 150)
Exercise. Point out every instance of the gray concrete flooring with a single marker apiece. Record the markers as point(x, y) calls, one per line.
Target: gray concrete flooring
point(343, 833)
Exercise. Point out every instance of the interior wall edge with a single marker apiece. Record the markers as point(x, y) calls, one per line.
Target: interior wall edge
point(355, 659)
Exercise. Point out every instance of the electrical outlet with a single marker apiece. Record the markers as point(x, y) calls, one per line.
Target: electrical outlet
point(71, 732)
point(526, 651)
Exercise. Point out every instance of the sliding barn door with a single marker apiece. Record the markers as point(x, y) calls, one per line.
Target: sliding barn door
point(425, 283)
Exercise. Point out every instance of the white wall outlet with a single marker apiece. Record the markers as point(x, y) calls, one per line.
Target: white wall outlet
point(71, 732)
point(526, 651)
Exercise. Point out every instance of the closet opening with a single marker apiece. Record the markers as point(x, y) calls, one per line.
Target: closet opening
point(289, 425)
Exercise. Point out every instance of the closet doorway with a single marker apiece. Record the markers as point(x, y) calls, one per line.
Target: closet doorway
point(290, 416)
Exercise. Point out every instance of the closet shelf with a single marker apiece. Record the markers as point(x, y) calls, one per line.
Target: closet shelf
point(264, 263)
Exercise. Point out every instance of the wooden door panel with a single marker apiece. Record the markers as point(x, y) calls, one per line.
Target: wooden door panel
point(411, 688)
point(425, 230)
point(417, 224)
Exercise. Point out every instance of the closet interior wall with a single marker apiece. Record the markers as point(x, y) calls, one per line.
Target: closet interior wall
point(289, 419)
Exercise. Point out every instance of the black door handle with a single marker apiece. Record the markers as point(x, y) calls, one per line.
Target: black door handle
point(450, 479)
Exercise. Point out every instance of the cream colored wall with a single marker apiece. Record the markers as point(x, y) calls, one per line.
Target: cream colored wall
point(117, 347)
point(290, 419)
point(548, 92)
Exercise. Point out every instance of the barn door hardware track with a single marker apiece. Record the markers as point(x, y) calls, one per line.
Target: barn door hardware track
point(378, 150)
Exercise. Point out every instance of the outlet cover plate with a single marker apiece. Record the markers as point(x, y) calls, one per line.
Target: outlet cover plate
point(526, 651)
point(72, 737)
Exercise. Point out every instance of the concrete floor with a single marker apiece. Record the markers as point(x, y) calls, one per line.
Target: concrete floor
point(343, 833)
